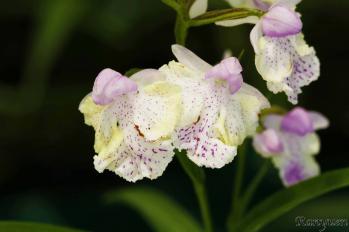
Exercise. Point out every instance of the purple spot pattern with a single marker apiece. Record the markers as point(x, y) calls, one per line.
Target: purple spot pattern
point(305, 69)
point(135, 158)
point(194, 90)
point(149, 110)
point(199, 139)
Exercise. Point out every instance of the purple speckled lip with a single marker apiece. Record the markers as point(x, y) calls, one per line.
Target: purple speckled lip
point(298, 122)
point(281, 21)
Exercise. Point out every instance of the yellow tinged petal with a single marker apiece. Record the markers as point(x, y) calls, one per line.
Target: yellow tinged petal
point(250, 106)
point(220, 127)
point(270, 63)
point(158, 110)
point(302, 47)
point(91, 111)
point(104, 146)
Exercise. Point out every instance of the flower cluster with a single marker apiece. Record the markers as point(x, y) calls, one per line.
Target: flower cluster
point(189, 105)
point(208, 111)
point(291, 143)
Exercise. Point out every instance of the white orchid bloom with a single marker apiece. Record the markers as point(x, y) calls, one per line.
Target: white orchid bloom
point(291, 142)
point(283, 58)
point(133, 123)
point(138, 121)
point(220, 111)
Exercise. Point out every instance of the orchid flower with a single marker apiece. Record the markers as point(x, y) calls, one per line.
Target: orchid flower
point(283, 58)
point(133, 121)
point(138, 121)
point(219, 110)
point(291, 142)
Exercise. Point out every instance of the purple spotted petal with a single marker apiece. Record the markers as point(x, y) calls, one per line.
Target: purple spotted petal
point(200, 138)
point(293, 173)
point(298, 122)
point(268, 143)
point(281, 21)
point(110, 84)
point(229, 70)
point(135, 158)
point(287, 63)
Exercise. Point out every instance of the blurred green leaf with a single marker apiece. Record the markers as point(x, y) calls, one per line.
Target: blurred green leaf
point(162, 213)
point(172, 3)
point(16, 226)
point(287, 199)
point(56, 20)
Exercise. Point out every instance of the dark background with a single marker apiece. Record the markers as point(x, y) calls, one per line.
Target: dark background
point(52, 51)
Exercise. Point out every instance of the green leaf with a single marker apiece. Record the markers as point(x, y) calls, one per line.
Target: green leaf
point(224, 14)
point(56, 20)
point(287, 199)
point(195, 173)
point(162, 213)
point(16, 226)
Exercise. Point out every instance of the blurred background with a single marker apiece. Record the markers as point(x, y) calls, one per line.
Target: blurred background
point(51, 52)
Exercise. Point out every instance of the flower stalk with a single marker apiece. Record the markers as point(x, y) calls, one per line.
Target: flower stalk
point(181, 30)
point(201, 193)
point(251, 189)
point(234, 212)
point(197, 176)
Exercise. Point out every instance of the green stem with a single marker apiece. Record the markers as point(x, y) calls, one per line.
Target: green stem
point(181, 29)
point(237, 187)
point(239, 175)
point(225, 14)
point(251, 189)
point(201, 194)
point(195, 173)
point(239, 209)
point(197, 176)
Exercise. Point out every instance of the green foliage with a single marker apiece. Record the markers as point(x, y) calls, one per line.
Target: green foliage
point(55, 21)
point(161, 212)
point(289, 198)
point(16, 226)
